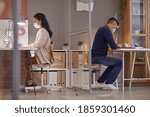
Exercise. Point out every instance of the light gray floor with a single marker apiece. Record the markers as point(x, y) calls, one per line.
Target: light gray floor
point(136, 93)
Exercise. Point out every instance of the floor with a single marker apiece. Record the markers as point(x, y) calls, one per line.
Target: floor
point(135, 93)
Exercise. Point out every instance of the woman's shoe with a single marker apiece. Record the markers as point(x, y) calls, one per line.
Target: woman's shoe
point(26, 85)
point(30, 85)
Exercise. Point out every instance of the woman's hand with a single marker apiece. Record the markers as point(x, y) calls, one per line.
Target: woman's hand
point(110, 51)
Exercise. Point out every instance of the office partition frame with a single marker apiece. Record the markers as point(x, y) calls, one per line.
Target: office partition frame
point(89, 31)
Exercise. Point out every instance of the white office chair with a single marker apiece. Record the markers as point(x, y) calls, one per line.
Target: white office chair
point(97, 67)
point(39, 68)
point(50, 85)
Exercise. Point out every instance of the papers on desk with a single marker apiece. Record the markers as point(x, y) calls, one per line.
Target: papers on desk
point(139, 47)
point(127, 48)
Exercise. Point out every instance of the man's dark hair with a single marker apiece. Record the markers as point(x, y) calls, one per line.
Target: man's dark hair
point(112, 19)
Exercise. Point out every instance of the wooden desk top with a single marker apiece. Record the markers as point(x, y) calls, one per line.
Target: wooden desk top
point(138, 49)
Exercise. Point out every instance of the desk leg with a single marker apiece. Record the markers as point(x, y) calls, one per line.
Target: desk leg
point(29, 56)
point(132, 69)
point(123, 71)
point(147, 62)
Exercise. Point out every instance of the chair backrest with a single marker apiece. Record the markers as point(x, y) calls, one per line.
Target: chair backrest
point(51, 54)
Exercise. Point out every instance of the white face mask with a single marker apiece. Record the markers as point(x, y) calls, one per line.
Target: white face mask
point(113, 30)
point(36, 25)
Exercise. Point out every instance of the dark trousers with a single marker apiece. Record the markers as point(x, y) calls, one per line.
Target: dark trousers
point(111, 73)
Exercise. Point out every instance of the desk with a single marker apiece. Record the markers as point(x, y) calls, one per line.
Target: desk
point(134, 51)
point(6, 65)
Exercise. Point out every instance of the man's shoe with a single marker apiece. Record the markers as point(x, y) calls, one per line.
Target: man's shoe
point(112, 87)
point(101, 85)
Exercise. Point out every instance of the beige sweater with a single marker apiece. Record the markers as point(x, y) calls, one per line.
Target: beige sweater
point(42, 42)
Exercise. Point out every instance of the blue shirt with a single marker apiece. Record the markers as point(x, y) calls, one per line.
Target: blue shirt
point(102, 41)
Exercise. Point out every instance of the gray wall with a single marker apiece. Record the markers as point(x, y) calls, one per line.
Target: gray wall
point(53, 11)
point(58, 17)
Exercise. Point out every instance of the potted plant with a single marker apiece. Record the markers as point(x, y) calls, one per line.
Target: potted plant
point(65, 46)
point(80, 45)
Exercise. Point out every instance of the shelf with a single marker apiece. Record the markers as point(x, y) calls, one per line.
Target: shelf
point(138, 34)
point(71, 50)
point(134, 14)
point(80, 69)
point(60, 50)
point(139, 63)
point(79, 50)
point(138, 1)
point(137, 79)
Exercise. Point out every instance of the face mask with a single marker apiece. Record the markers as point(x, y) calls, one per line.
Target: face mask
point(113, 30)
point(36, 25)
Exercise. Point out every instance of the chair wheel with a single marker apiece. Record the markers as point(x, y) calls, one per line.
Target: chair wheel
point(27, 90)
point(109, 89)
point(48, 91)
point(61, 90)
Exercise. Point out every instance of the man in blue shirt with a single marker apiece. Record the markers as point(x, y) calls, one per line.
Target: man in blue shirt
point(102, 42)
